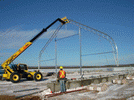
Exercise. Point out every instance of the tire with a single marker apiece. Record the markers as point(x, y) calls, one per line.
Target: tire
point(37, 76)
point(15, 77)
point(29, 78)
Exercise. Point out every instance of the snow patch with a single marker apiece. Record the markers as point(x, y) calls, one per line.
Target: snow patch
point(131, 98)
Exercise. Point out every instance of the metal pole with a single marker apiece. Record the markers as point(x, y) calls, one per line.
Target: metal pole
point(38, 65)
point(80, 52)
point(55, 56)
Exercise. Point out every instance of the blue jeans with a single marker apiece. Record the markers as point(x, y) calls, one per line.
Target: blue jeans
point(62, 85)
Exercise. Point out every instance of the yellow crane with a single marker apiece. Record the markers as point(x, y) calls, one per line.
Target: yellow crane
point(14, 72)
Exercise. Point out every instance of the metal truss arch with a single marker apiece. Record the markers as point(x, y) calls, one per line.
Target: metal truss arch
point(45, 46)
point(103, 35)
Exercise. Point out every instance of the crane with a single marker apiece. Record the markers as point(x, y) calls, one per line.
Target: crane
point(14, 72)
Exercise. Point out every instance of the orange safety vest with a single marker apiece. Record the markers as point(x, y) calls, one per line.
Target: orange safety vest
point(62, 74)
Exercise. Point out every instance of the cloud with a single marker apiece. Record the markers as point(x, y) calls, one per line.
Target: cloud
point(15, 38)
point(60, 34)
point(11, 41)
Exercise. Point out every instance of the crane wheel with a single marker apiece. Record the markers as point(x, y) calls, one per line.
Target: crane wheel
point(15, 77)
point(37, 76)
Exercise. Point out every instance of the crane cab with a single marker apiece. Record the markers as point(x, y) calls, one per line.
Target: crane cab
point(19, 67)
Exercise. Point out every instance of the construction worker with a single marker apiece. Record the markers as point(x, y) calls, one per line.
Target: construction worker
point(62, 79)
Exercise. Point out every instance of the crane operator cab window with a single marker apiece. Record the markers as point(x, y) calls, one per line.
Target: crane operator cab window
point(22, 67)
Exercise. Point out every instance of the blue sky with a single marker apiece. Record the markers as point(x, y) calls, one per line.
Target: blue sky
point(20, 20)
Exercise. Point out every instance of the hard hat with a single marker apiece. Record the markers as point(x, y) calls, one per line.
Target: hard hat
point(61, 67)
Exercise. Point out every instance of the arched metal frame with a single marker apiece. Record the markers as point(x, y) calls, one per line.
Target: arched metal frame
point(51, 38)
point(81, 26)
point(103, 35)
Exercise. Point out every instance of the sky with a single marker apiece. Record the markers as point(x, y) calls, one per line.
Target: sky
point(21, 20)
